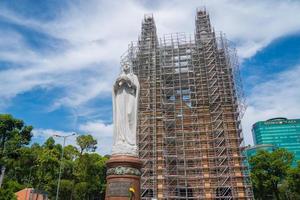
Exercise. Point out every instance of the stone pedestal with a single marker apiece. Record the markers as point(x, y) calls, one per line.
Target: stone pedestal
point(123, 173)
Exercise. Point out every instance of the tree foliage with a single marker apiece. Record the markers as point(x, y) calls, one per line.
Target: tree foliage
point(272, 176)
point(7, 194)
point(13, 135)
point(86, 143)
point(37, 165)
point(291, 186)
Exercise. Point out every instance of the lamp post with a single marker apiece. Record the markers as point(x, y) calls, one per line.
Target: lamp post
point(61, 163)
point(2, 175)
point(2, 172)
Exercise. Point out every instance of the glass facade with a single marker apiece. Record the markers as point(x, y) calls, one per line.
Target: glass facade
point(280, 132)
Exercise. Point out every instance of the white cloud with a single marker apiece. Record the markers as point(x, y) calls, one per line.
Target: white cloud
point(254, 24)
point(250, 24)
point(278, 97)
point(41, 135)
point(102, 132)
point(92, 35)
point(98, 129)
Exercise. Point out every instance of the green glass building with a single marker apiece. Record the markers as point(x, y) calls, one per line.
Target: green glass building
point(280, 132)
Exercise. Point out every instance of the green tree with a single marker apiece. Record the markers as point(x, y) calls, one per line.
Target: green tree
point(7, 191)
point(37, 165)
point(71, 153)
point(48, 162)
point(81, 191)
point(268, 171)
point(291, 187)
point(7, 194)
point(90, 169)
point(86, 143)
point(66, 189)
point(13, 135)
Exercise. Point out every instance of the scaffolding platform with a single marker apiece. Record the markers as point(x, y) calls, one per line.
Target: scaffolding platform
point(190, 107)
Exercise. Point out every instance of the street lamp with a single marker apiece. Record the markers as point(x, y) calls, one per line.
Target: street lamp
point(61, 163)
point(3, 168)
point(2, 175)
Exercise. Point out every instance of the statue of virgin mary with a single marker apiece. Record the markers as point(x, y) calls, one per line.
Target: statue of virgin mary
point(125, 106)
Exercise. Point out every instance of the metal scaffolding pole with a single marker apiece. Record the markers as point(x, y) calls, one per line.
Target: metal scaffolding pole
point(190, 108)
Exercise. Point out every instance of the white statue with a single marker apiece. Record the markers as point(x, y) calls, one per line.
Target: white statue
point(125, 106)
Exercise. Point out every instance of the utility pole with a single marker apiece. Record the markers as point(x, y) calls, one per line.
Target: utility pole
point(61, 163)
point(2, 175)
point(3, 166)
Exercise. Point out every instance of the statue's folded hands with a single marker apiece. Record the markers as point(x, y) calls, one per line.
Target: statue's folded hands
point(124, 81)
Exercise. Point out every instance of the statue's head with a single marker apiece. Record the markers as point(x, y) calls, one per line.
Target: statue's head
point(126, 68)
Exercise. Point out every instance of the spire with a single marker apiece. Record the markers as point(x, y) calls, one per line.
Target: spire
point(148, 35)
point(203, 26)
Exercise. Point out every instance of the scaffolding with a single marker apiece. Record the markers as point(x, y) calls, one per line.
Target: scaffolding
point(190, 107)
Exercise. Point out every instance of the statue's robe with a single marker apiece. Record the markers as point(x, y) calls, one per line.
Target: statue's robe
point(125, 107)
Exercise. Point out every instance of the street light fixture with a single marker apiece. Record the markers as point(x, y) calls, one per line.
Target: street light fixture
point(61, 163)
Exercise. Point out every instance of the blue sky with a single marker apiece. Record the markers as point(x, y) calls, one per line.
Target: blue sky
point(58, 59)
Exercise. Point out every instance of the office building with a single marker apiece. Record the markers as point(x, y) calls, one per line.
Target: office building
point(280, 132)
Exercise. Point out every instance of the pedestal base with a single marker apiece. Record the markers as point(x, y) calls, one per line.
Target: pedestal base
point(123, 178)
